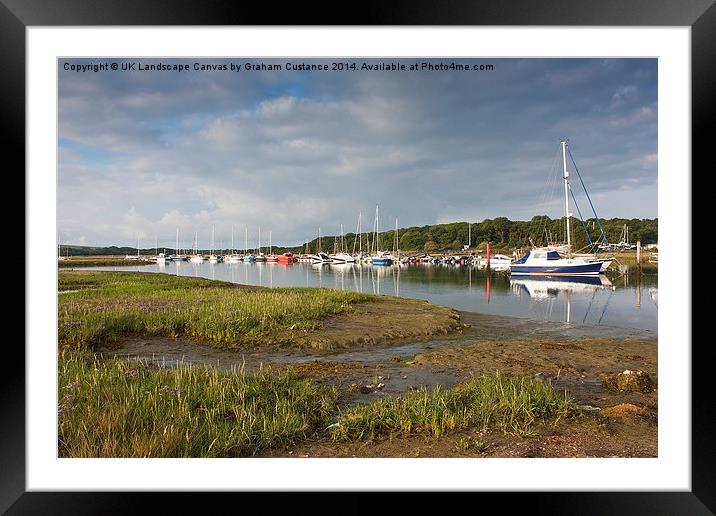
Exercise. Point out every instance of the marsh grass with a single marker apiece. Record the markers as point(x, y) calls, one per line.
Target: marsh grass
point(110, 305)
point(491, 402)
point(120, 408)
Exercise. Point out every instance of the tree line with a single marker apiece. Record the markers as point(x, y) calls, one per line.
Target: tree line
point(501, 232)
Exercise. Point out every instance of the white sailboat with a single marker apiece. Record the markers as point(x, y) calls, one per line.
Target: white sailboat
point(131, 256)
point(342, 256)
point(232, 257)
point(379, 257)
point(196, 257)
point(212, 257)
point(158, 258)
point(178, 256)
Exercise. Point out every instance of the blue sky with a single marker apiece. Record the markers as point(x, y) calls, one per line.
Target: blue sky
point(143, 153)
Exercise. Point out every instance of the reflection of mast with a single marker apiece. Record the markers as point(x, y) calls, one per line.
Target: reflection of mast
point(396, 283)
point(638, 290)
point(568, 306)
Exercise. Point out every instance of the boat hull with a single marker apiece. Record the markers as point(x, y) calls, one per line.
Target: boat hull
point(587, 269)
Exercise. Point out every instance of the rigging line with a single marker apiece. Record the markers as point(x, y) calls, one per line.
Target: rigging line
point(581, 219)
point(589, 307)
point(548, 185)
point(605, 307)
point(588, 198)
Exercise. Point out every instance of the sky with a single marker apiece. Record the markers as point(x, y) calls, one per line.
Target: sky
point(144, 152)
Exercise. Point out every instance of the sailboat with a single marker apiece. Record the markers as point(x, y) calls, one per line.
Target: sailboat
point(177, 256)
point(260, 257)
point(360, 255)
point(342, 256)
point(233, 257)
point(248, 257)
point(548, 261)
point(271, 257)
point(59, 253)
point(212, 257)
point(379, 257)
point(196, 257)
point(158, 258)
point(306, 256)
point(131, 256)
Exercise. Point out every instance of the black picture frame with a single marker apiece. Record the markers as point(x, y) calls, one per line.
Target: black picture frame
point(700, 15)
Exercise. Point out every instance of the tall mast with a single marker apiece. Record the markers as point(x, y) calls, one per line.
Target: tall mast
point(270, 241)
point(376, 229)
point(212, 239)
point(360, 234)
point(357, 238)
point(395, 244)
point(246, 240)
point(469, 235)
point(566, 193)
point(177, 244)
point(232, 240)
point(319, 240)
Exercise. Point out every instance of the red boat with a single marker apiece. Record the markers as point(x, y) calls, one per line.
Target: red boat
point(286, 258)
point(271, 258)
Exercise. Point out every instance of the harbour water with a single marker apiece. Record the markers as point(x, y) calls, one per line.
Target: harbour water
point(628, 301)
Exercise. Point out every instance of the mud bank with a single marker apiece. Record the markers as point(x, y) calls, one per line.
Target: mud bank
point(388, 363)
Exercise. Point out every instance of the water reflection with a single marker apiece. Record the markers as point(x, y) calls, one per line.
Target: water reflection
point(614, 300)
point(548, 289)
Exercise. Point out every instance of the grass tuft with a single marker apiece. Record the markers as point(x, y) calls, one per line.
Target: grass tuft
point(490, 402)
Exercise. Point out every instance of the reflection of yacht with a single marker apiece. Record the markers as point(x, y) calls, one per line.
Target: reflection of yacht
point(543, 287)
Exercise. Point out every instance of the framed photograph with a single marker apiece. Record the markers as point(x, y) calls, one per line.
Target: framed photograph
point(419, 252)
